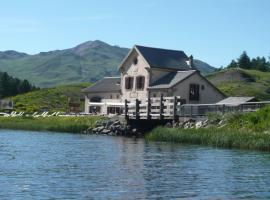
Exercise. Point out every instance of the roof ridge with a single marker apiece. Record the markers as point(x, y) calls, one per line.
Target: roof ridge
point(136, 45)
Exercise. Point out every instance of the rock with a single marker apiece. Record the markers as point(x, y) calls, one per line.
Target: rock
point(100, 128)
point(187, 125)
point(168, 125)
point(189, 121)
point(181, 124)
point(116, 123)
point(108, 124)
point(221, 122)
point(199, 124)
point(134, 131)
point(105, 131)
point(95, 130)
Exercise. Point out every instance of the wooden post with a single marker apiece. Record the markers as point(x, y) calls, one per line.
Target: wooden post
point(126, 109)
point(161, 108)
point(137, 111)
point(175, 114)
point(149, 108)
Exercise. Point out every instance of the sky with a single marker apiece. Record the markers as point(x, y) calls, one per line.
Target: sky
point(215, 31)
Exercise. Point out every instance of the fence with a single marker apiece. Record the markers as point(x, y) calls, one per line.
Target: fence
point(192, 110)
point(173, 108)
point(152, 108)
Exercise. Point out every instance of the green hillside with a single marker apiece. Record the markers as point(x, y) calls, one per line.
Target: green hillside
point(51, 99)
point(239, 82)
point(87, 62)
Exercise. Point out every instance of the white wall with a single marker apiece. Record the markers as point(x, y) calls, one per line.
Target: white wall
point(105, 95)
point(207, 95)
point(134, 70)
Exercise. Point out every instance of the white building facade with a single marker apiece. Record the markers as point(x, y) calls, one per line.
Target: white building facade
point(150, 72)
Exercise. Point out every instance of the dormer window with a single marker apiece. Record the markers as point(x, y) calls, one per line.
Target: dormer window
point(140, 82)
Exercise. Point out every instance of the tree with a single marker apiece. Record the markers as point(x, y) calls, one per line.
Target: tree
point(244, 61)
point(233, 64)
point(10, 86)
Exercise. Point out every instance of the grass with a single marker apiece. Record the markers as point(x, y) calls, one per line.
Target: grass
point(49, 99)
point(243, 131)
point(240, 82)
point(57, 124)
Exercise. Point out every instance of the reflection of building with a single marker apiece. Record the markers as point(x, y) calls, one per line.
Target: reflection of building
point(6, 104)
point(150, 72)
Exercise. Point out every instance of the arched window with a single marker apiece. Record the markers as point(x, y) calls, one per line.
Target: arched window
point(140, 82)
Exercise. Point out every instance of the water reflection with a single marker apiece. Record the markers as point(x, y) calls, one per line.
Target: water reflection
point(66, 166)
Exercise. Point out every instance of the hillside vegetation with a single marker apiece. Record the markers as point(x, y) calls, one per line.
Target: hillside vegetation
point(50, 99)
point(241, 82)
point(87, 62)
point(10, 86)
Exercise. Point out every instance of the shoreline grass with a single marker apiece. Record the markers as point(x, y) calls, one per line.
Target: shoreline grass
point(57, 124)
point(242, 131)
point(216, 137)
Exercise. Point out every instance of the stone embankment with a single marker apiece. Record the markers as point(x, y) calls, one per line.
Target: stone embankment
point(116, 126)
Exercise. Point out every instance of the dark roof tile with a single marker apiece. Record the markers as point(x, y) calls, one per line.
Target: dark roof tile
point(164, 58)
point(107, 84)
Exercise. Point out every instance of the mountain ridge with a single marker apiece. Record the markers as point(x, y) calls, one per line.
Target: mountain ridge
point(86, 62)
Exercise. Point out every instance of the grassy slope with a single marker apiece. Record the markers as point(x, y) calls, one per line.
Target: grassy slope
point(243, 83)
point(59, 124)
point(52, 99)
point(246, 131)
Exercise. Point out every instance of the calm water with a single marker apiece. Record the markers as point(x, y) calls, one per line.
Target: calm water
point(65, 166)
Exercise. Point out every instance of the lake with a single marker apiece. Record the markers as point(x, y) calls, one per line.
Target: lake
point(42, 165)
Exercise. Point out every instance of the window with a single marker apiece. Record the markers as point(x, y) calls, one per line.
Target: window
point(117, 96)
point(135, 61)
point(202, 87)
point(194, 92)
point(111, 96)
point(129, 83)
point(140, 82)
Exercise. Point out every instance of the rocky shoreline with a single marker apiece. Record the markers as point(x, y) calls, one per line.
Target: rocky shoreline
point(114, 127)
point(118, 126)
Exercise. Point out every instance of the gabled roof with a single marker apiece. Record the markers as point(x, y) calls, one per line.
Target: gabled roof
point(171, 79)
point(164, 58)
point(107, 84)
point(236, 100)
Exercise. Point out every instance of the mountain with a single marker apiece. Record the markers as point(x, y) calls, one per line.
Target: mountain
point(203, 67)
point(240, 82)
point(87, 62)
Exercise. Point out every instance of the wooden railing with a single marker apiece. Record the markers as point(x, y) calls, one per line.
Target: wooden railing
point(173, 108)
point(153, 108)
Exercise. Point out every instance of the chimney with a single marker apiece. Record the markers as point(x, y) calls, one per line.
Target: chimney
point(191, 61)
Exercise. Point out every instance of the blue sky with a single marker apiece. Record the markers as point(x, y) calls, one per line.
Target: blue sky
point(215, 31)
